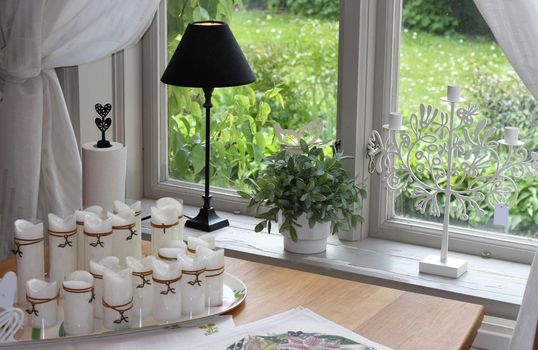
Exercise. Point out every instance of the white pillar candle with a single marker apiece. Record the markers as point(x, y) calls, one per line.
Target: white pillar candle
point(214, 275)
point(453, 93)
point(117, 298)
point(193, 285)
point(97, 269)
point(166, 290)
point(511, 135)
point(193, 242)
point(164, 227)
point(178, 204)
point(97, 239)
point(78, 303)
point(136, 208)
point(175, 243)
point(209, 239)
point(395, 121)
point(170, 254)
point(80, 216)
point(43, 299)
point(62, 247)
point(142, 287)
point(30, 253)
point(125, 239)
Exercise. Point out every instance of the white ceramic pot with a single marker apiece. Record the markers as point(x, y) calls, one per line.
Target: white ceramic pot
point(309, 240)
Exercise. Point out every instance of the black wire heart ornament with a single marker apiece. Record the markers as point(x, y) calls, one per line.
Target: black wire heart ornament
point(103, 123)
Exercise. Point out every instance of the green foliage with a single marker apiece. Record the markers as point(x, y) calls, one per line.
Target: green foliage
point(325, 9)
point(433, 16)
point(310, 183)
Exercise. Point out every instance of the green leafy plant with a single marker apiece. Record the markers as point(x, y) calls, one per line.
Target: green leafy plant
point(310, 183)
point(433, 16)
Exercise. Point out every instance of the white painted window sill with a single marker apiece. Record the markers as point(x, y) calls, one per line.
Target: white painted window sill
point(496, 284)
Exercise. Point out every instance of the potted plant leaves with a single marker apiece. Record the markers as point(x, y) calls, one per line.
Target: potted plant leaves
point(311, 195)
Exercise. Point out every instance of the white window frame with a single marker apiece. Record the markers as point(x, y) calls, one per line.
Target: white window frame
point(367, 90)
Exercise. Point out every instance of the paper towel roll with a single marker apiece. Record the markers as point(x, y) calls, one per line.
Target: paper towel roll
point(103, 174)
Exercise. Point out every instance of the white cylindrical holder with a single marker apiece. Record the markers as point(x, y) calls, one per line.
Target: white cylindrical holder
point(78, 303)
point(142, 287)
point(167, 290)
point(511, 135)
point(97, 239)
point(30, 253)
point(43, 299)
point(453, 93)
point(96, 270)
point(164, 227)
point(117, 298)
point(175, 243)
point(170, 254)
point(136, 207)
point(209, 239)
point(178, 204)
point(395, 121)
point(62, 247)
point(214, 275)
point(103, 174)
point(193, 242)
point(81, 215)
point(125, 239)
point(193, 284)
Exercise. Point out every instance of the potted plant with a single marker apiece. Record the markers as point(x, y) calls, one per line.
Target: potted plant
point(312, 194)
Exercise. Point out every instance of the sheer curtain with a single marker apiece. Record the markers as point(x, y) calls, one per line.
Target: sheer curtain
point(40, 166)
point(515, 26)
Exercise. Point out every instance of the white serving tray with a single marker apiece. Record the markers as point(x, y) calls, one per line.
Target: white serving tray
point(234, 293)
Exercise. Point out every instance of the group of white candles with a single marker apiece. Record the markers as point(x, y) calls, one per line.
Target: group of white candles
point(96, 267)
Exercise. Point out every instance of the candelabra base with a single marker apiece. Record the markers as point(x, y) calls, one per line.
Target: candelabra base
point(452, 268)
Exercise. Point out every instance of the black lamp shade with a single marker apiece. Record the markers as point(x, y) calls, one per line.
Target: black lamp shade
point(208, 56)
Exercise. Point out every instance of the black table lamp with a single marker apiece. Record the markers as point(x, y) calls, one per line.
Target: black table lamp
point(207, 57)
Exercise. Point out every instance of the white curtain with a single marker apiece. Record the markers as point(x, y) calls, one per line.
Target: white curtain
point(40, 166)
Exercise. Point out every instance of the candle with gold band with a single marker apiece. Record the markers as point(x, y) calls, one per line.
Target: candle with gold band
point(43, 299)
point(78, 303)
point(214, 275)
point(135, 207)
point(30, 254)
point(124, 235)
point(96, 270)
point(170, 254)
point(117, 298)
point(97, 239)
point(175, 243)
point(166, 282)
point(80, 217)
point(178, 204)
point(62, 247)
point(193, 242)
point(193, 285)
point(142, 287)
point(164, 227)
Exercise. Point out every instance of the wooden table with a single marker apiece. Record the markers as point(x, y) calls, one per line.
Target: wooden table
point(398, 319)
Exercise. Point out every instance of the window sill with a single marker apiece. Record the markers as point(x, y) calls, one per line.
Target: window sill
point(496, 284)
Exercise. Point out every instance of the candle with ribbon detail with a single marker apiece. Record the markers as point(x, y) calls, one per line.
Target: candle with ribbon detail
point(62, 247)
point(170, 254)
point(97, 239)
point(193, 285)
point(80, 217)
point(178, 204)
point(175, 243)
point(193, 242)
point(164, 227)
point(136, 208)
point(30, 253)
point(117, 298)
point(43, 303)
point(167, 290)
point(214, 275)
point(78, 303)
point(96, 270)
point(125, 240)
point(142, 270)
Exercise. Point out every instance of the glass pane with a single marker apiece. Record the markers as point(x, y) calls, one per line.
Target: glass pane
point(448, 42)
point(293, 51)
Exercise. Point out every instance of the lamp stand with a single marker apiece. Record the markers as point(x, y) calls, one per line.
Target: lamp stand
point(207, 219)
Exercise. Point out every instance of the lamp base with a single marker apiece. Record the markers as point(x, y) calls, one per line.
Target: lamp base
point(452, 268)
point(207, 220)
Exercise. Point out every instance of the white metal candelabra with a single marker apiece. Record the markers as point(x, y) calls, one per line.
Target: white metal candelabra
point(468, 169)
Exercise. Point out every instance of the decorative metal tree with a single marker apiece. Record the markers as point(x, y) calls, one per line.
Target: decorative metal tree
point(443, 156)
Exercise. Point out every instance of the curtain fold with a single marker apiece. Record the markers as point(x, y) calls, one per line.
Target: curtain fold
point(40, 166)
